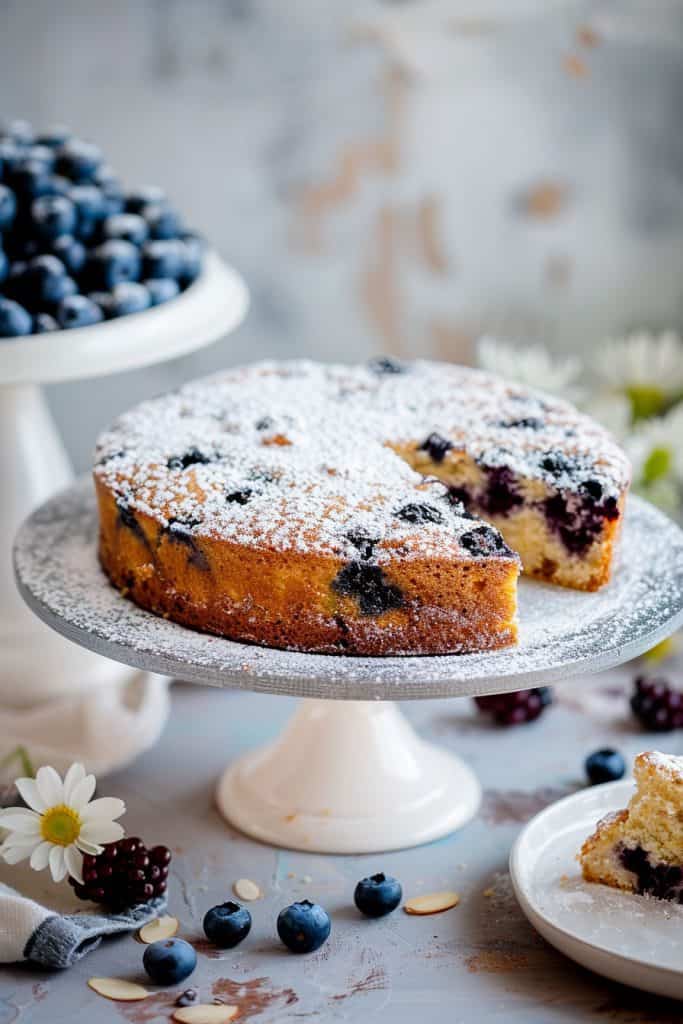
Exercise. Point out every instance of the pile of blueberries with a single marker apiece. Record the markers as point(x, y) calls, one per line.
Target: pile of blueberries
point(75, 248)
point(303, 927)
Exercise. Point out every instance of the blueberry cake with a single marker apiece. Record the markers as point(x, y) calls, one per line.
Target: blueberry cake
point(378, 509)
point(640, 849)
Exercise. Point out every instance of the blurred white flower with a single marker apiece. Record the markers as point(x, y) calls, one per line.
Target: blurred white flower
point(62, 823)
point(646, 368)
point(655, 448)
point(532, 366)
point(613, 411)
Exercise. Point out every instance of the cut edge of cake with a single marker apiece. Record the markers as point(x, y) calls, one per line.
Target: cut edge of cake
point(639, 849)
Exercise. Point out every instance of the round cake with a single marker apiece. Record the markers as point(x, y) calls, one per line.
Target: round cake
point(377, 509)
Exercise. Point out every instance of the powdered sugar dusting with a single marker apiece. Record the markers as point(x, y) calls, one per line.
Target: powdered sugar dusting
point(298, 455)
point(562, 632)
point(667, 763)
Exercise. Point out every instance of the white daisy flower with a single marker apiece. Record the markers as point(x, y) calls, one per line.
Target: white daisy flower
point(613, 411)
point(647, 368)
point(61, 822)
point(532, 366)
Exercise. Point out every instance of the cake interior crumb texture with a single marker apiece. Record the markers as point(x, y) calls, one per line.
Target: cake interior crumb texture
point(374, 509)
point(640, 848)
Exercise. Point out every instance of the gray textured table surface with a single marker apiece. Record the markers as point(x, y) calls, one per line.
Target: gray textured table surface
point(480, 961)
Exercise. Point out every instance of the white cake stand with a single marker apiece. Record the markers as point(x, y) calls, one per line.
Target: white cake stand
point(36, 665)
point(348, 774)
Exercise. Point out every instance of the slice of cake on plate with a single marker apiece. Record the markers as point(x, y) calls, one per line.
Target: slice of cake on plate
point(640, 849)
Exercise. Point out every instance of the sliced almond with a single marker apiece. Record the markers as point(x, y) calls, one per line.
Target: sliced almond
point(161, 928)
point(205, 1013)
point(432, 903)
point(117, 988)
point(245, 889)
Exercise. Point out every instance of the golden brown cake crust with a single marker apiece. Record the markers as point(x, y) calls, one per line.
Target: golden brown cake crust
point(284, 599)
point(316, 508)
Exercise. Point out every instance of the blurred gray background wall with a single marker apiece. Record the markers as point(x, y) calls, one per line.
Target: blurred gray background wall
point(387, 175)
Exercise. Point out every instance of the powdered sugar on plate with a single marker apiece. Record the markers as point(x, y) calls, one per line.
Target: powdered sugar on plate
point(562, 632)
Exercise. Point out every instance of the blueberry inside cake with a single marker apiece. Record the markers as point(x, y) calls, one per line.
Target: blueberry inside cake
point(640, 849)
point(377, 509)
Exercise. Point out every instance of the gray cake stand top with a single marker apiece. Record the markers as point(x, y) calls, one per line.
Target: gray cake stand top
point(562, 632)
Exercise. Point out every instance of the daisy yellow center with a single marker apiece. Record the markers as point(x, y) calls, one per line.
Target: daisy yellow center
point(60, 825)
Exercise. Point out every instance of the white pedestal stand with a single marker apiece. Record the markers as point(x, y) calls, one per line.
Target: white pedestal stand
point(348, 774)
point(60, 702)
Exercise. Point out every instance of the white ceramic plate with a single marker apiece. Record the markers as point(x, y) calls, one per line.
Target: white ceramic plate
point(635, 940)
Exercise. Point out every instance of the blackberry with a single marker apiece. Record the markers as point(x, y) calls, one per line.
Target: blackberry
point(516, 708)
point(656, 705)
point(436, 447)
point(124, 874)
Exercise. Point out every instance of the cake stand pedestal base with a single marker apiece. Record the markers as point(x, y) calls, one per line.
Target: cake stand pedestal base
point(348, 777)
point(60, 702)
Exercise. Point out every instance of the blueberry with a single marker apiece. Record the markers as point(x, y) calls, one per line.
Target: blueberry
point(144, 196)
point(188, 998)
point(556, 463)
point(78, 160)
point(45, 282)
point(8, 207)
point(18, 131)
point(10, 157)
point(91, 208)
point(525, 423)
point(14, 319)
point(4, 266)
point(78, 311)
point(436, 447)
point(378, 895)
point(663, 880)
point(53, 216)
point(71, 252)
point(30, 178)
point(368, 585)
point(170, 961)
point(55, 136)
point(193, 257)
point(127, 298)
point(113, 262)
point(484, 540)
point(43, 323)
point(239, 497)
point(162, 221)
point(604, 765)
point(161, 289)
point(501, 494)
point(111, 189)
point(386, 365)
point(163, 258)
point(226, 925)
point(131, 227)
point(419, 514)
point(43, 153)
point(363, 542)
point(303, 927)
point(104, 300)
point(192, 457)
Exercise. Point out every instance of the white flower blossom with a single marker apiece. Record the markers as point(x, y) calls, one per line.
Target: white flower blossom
point(532, 366)
point(61, 822)
point(646, 368)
